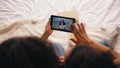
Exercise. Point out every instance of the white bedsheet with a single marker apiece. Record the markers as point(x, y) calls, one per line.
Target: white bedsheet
point(101, 16)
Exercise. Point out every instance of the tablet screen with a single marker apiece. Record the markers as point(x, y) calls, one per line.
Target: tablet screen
point(61, 23)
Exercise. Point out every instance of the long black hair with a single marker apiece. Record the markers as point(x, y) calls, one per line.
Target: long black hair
point(27, 52)
point(84, 56)
point(61, 22)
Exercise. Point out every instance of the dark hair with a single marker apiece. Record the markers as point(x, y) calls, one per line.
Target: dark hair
point(61, 21)
point(84, 56)
point(27, 52)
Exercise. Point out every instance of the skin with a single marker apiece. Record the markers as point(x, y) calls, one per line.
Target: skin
point(47, 31)
point(46, 35)
point(81, 38)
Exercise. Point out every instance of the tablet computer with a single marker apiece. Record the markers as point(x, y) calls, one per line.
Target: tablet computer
point(62, 23)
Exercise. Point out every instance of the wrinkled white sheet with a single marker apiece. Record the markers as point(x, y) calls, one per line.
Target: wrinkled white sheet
point(101, 16)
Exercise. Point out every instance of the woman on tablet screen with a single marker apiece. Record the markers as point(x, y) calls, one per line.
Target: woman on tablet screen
point(62, 24)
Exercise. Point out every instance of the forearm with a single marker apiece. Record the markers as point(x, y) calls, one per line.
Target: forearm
point(101, 48)
point(45, 36)
point(47, 31)
point(97, 46)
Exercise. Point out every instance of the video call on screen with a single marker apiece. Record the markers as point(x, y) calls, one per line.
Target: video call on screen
point(65, 23)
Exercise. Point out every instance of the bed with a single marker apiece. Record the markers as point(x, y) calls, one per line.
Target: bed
point(29, 17)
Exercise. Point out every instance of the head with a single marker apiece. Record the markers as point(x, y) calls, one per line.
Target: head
point(61, 22)
point(84, 56)
point(27, 52)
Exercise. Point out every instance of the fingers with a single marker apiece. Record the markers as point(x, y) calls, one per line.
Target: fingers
point(49, 20)
point(80, 28)
point(48, 27)
point(73, 40)
point(77, 28)
point(82, 25)
point(79, 31)
point(76, 31)
point(48, 24)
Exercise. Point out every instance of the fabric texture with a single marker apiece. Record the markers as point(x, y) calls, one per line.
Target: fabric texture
point(29, 17)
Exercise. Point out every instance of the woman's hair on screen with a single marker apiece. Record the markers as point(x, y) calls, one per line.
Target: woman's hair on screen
point(61, 22)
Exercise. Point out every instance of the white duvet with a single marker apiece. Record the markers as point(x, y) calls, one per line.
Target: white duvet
point(100, 17)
